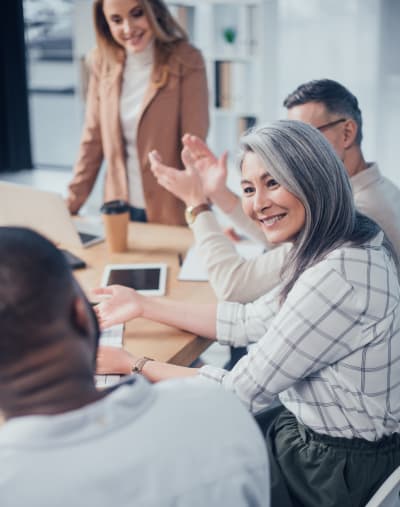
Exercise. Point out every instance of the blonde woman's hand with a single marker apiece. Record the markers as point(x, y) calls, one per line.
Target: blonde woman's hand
point(117, 305)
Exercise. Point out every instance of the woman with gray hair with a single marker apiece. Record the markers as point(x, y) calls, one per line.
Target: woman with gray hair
point(325, 341)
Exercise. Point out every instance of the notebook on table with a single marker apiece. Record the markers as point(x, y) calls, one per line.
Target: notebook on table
point(45, 212)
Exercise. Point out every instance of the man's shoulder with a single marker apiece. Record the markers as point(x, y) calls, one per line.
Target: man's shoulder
point(371, 181)
point(220, 438)
point(197, 393)
point(204, 404)
point(174, 440)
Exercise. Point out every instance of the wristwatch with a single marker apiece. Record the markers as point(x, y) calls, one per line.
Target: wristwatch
point(138, 366)
point(191, 212)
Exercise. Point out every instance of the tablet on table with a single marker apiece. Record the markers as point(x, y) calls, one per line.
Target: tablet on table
point(148, 279)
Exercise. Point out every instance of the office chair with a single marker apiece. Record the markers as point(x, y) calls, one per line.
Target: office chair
point(388, 495)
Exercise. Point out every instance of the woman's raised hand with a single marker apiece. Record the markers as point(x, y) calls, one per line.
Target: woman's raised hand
point(118, 305)
point(213, 171)
point(186, 185)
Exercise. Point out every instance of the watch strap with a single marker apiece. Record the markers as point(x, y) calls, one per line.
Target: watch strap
point(138, 366)
point(200, 208)
point(191, 212)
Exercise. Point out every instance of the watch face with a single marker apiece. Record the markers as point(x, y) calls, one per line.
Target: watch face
point(189, 215)
point(191, 212)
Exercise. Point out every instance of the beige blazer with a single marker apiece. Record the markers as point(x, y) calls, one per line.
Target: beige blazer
point(180, 106)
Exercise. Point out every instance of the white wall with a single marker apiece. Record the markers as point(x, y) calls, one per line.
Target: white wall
point(355, 42)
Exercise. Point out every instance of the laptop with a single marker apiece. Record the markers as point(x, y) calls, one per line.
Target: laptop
point(45, 212)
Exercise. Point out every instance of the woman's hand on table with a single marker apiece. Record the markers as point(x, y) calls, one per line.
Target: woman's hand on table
point(117, 361)
point(118, 305)
point(114, 360)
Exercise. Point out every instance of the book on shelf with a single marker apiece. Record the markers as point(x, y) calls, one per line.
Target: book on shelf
point(223, 86)
point(231, 82)
point(184, 15)
point(246, 123)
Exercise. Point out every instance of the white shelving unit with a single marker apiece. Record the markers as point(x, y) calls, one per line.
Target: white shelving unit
point(235, 70)
point(250, 92)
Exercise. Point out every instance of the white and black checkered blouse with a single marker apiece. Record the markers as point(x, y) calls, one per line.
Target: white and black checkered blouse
point(331, 351)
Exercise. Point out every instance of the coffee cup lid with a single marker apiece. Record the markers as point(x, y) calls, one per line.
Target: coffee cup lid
point(114, 207)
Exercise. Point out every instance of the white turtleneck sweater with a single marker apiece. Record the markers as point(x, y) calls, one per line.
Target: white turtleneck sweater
point(136, 77)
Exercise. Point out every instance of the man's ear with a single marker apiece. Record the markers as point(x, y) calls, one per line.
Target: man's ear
point(350, 133)
point(80, 318)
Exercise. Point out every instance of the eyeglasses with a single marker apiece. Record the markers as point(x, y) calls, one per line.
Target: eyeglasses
point(330, 124)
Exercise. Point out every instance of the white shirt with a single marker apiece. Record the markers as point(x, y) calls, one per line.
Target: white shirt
point(169, 444)
point(135, 80)
point(331, 351)
point(379, 198)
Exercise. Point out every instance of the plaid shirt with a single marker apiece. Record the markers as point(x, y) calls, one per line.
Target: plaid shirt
point(331, 351)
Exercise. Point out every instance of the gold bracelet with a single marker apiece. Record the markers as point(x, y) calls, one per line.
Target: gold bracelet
point(138, 366)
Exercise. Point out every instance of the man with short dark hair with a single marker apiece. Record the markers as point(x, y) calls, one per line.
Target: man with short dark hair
point(65, 443)
point(325, 97)
point(333, 110)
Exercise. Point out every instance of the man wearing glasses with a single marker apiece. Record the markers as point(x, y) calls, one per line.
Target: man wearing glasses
point(332, 109)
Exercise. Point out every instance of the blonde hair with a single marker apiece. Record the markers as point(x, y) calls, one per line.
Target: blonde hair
point(167, 34)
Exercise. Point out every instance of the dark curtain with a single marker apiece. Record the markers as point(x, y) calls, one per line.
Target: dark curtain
point(15, 146)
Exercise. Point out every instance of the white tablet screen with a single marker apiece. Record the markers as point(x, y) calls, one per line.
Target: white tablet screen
point(145, 278)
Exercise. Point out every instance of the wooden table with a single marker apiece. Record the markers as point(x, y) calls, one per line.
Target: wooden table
point(153, 243)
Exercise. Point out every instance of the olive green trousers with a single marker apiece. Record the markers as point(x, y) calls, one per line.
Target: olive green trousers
point(313, 470)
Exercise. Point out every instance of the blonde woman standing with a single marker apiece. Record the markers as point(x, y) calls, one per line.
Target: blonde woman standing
point(147, 88)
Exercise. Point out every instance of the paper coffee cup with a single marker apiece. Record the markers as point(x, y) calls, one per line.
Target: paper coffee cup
point(116, 219)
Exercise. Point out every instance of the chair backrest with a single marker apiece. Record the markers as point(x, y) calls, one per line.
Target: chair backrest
point(388, 495)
